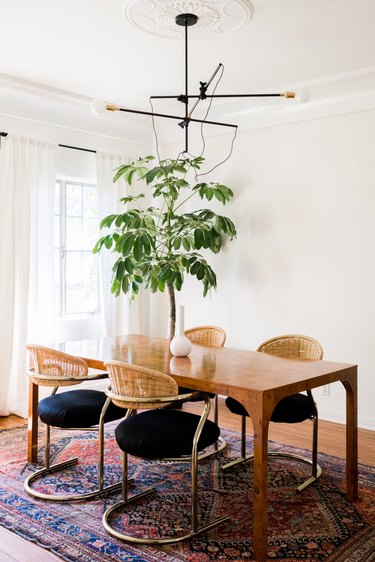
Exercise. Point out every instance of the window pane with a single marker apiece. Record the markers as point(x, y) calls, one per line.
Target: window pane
point(89, 301)
point(90, 201)
point(90, 233)
point(73, 282)
point(73, 200)
point(81, 283)
point(73, 233)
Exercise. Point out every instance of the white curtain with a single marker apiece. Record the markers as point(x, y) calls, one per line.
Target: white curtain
point(120, 316)
point(27, 180)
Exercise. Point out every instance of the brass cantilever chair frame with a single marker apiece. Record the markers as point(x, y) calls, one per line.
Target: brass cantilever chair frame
point(299, 347)
point(212, 336)
point(54, 369)
point(135, 388)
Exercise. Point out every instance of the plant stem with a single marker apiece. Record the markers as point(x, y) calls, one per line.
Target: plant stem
point(172, 313)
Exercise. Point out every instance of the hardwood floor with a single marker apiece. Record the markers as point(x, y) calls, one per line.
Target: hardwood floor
point(331, 441)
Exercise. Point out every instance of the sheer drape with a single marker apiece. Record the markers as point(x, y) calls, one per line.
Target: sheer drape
point(120, 316)
point(27, 180)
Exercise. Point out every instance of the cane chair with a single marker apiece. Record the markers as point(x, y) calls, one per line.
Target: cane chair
point(157, 433)
point(212, 336)
point(75, 409)
point(291, 409)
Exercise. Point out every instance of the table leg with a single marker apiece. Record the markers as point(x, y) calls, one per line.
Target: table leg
point(351, 437)
point(260, 421)
point(32, 430)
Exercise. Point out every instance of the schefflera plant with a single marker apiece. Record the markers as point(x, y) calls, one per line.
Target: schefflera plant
point(158, 245)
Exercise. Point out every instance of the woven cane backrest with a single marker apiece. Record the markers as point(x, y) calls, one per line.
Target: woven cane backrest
point(134, 382)
point(207, 335)
point(56, 368)
point(293, 346)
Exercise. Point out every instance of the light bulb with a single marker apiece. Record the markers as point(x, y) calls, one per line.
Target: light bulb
point(302, 95)
point(98, 106)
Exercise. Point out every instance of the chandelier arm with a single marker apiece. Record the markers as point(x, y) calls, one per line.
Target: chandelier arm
point(283, 94)
point(166, 116)
point(203, 88)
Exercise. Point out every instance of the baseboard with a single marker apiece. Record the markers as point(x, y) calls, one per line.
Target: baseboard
point(364, 422)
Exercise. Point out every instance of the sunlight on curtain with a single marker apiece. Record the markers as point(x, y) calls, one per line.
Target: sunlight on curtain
point(120, 316)
point(27, 180)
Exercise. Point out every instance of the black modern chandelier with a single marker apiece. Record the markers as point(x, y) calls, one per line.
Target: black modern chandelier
point(187, 20)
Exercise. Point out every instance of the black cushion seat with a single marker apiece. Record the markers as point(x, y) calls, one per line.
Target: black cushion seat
point(156, 434)
point(77, 408)
point(291, 409)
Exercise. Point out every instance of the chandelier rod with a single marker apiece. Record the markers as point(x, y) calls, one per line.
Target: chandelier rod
point(284, 94)
point(112, 107)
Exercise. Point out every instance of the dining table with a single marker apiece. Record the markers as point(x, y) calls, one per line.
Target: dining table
point(257, 380)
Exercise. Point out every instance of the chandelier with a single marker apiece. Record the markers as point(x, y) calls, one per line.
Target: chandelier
point(191, 101)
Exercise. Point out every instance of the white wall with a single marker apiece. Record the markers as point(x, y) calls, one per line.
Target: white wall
point(304, 259)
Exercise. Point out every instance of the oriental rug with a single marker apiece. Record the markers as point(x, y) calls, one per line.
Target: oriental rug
point(318, 524)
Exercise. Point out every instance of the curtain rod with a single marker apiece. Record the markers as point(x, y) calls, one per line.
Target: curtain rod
point(3, 134)
point(77, 148)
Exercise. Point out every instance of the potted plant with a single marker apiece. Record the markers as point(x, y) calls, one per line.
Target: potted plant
point(158, 245)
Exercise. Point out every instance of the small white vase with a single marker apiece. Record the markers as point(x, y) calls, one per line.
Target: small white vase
point(180, 345)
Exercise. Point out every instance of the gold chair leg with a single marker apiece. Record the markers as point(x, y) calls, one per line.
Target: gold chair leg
point(194, 498)
point(216, 447)
point(48, 468)
point(316, 469)
point(243, 457)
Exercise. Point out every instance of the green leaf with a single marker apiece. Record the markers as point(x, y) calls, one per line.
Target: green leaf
point(138, 248)
point(125, 284)
point(186, 243)
point(131, 198)
point(195, 268)
point(198, 238)
point(107, 221)
point(146, 244)
point(115, 287)
point(126, 243)
point(120, 270)
point(200, 272)
point(152, 174)
point(129, 266)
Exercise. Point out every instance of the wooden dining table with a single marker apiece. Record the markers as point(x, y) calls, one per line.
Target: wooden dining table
point(257, 380)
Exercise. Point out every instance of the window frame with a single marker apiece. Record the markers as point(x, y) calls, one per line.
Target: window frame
point(61, 285)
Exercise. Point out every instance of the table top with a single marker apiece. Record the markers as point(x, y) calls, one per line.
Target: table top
point(213, 369)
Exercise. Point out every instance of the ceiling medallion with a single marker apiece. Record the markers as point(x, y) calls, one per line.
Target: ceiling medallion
point(214, 16)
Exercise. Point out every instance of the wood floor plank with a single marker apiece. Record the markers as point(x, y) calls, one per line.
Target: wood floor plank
point(15, 549)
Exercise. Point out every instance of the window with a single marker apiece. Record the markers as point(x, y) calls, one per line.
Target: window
point(76, 231)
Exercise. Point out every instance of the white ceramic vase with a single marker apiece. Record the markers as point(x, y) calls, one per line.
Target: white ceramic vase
point(180, 345)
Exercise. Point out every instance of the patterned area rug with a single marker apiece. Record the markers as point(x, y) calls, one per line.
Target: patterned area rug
point(318, 524)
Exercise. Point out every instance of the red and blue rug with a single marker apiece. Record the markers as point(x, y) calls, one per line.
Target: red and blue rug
point(318, 524)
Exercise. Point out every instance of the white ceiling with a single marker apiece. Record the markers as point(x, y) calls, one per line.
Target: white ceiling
point(87, 48)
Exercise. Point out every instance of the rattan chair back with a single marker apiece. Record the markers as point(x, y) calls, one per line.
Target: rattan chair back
point(55, 368)
point(293, 346)
point(207, 335)
point(134, 387)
